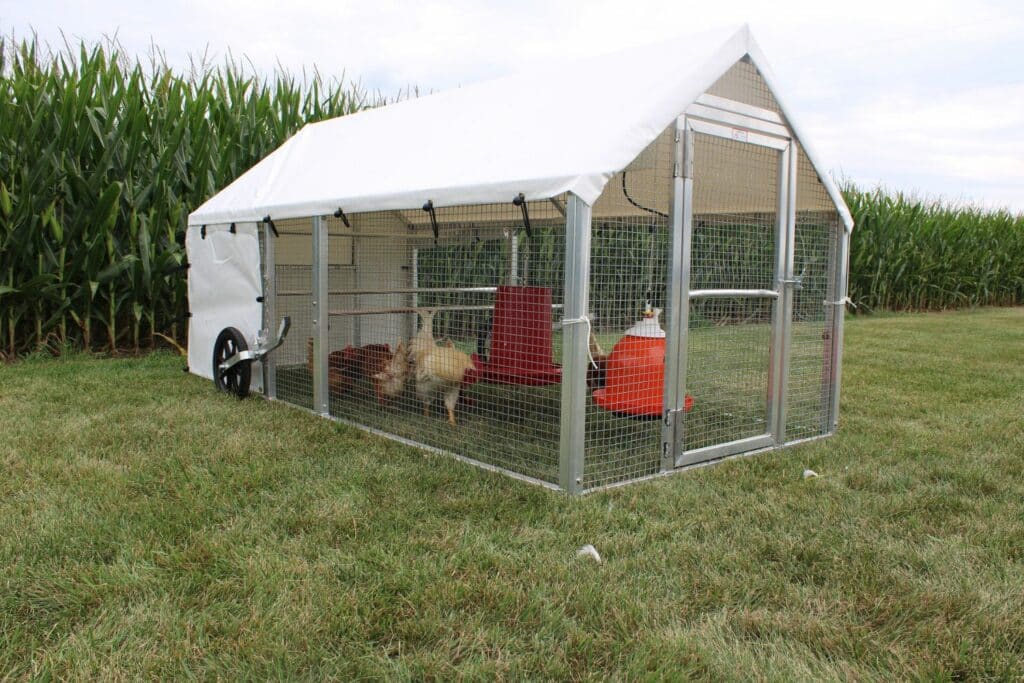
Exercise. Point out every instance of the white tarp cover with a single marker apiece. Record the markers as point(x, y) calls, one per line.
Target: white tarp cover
point(541, 133)
point(223, 286)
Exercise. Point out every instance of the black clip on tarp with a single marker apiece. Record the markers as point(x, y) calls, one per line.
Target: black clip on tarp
point(520, 201)
point(269, 221)
point(429, 208)
point(344, 219)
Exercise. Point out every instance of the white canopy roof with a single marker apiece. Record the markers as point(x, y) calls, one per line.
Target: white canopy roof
point(541, 133)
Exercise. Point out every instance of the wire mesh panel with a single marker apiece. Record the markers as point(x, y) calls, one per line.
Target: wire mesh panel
point(292, 296)
point(451, 340)
point(628, 287)
point(734, 246)
point(810, 377)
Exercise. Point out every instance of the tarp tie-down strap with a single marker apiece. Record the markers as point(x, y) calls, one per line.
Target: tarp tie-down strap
point(583, 320)
point(344, 219)
point(269, 221)
point(429, 208)
point(842, 302)
point(520, 201)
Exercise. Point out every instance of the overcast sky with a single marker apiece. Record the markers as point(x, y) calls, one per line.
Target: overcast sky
point(920, 96)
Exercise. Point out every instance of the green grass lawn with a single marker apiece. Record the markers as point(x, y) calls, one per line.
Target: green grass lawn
point(150, 527)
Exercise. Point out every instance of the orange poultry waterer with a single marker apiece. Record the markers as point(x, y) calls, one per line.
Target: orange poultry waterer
point(635, 375)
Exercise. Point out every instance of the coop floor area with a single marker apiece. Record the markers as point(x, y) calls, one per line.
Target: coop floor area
point(517, 427)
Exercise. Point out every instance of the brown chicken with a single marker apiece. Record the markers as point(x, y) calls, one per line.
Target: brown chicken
point(338, 380)
point(363, 362)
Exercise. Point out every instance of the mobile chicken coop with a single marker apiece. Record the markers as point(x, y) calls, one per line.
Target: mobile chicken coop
point(579, 278)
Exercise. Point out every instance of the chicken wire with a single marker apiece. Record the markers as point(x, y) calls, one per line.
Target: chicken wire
point(628, 272)
point(735, 245)
point(288, 294)
point(487, 283)
point(817, 232)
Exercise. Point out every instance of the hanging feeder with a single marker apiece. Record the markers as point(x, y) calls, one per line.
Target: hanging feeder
point(635, 379)
point(521, 346)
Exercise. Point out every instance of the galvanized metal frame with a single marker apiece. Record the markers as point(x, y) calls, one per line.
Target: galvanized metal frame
point(838, 319)
point(724, 104)
point(321, 393)
point(733, 293)
point(786, 285)
point(731, 118)
point(575, 335)
point(780, 322)
point(720, 118)
point(681, 221)
point(740, 132)
point(269, 308)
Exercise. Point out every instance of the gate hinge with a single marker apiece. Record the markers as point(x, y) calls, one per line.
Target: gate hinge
point(670, 416)
point(676, 170)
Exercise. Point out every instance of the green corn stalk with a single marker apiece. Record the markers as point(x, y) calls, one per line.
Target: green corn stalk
point(76, 123)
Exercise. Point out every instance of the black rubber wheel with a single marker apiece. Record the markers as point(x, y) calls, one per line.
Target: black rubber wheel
point(235, 380)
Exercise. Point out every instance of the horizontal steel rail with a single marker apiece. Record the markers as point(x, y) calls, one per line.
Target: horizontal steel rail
point(733, 293)
point(407, 290)
point(414, 309)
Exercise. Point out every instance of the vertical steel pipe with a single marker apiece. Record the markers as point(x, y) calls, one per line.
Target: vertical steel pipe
point(574, 345)
point(321, 391)
point(788, 292)
point(681, 222)
point(269, 309)
point(841, 289)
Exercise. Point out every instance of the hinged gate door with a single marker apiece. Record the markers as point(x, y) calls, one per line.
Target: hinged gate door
point(731, 291)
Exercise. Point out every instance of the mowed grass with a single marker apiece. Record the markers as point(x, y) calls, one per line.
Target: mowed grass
point(152, 528)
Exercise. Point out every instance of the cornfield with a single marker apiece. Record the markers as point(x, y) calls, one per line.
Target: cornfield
point(101, 159)
point(908, 254)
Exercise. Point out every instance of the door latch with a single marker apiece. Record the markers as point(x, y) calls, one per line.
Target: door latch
point(797, 282)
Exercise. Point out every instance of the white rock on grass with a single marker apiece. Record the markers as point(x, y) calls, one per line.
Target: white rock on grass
point(589, 551)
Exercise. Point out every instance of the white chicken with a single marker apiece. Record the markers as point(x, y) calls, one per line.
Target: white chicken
point(439, 369)
point(423, 341)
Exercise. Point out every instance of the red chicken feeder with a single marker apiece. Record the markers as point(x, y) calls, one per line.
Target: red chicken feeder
point(635, 374)
point(521, 348)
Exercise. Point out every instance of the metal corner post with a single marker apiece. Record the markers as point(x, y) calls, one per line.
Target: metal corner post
point(574, 345)
point(786, 286)
point(776, 397)
point(269, 309)
point(321, 392)
point(838, 318)
point(681, 224)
